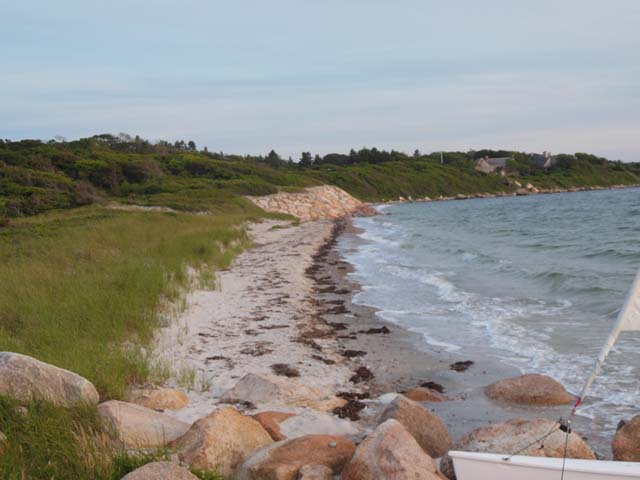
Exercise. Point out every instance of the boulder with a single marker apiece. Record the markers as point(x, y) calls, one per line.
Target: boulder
point(425, 426)
point(532, 389)
point(315, 472)
point(507, 438)
point(25, 378)
point(160, 471)
point(285, 459)
point(313, 422)
point(158, 398)
point(270, 421)
point(626, 443)
point(221, 441)
point(270, 390)
point(424, 394)
point(140, 427)
point(521, 192)
point(390, 452)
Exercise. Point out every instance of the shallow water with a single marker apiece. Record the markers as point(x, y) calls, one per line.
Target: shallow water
point(534, 282)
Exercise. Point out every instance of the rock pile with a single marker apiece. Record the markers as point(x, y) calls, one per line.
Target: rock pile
point(323, 202)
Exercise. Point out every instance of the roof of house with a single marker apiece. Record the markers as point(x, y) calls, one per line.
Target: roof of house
point(497, 161)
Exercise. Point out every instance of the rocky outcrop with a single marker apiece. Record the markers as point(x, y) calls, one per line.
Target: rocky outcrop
point(424, 394)
point(626, 443)
point(221, 441)
point(390, 452)
point(284, 460)
point(323, 202)
point(158, 398)
point(271, 390)
point(160, 471)
point(425, 426)
point(512, 436)
point(532, 389)
point(25, 378)
point(140, 427)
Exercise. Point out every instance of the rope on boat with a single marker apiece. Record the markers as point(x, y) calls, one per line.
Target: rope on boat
point(555, 428)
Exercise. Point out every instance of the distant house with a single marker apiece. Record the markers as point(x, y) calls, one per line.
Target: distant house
point(545, 160)
point(492, 165)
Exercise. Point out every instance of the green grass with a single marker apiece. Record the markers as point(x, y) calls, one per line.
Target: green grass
point(55, 443)
point(76, 286)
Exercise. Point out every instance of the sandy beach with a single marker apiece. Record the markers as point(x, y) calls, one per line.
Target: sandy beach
point(288, 301)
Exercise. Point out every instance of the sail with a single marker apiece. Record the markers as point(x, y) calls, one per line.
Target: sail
point(628, 320)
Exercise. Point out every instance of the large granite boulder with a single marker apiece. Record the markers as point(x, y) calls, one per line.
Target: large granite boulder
point(272, 390)
point(626, 443)
point(425, 426)
point(531, 389)
point(140, 427)
point(158, 398)
point(284, 460)
point(390, 452)
point(160, 471)
point(510, 437)
point(271, 421)
point(221, 441)
point(25, 378)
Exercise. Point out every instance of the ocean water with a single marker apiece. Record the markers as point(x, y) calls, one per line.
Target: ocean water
point(534, 282)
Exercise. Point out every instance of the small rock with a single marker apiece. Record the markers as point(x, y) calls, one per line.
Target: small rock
point(390, 452)
point(626, 443)
point(160, 471)
point(140, 427)
point(284, 460)
point(433, 386)
point(425, 426)
point(221, 441)
point(422, 394)
point(532, 389)
point(511, 436)
point(271, 390)
point(270, 421)
point(158, 398)
point(25, 378)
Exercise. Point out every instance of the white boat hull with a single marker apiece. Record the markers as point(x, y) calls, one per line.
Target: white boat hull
point(489, 466)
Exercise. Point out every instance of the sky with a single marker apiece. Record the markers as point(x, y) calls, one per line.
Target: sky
point(325, 76)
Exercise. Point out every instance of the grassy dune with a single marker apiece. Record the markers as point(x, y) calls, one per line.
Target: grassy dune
point(77, 285)
point(84, 289)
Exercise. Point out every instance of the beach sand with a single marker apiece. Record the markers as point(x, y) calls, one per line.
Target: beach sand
point(289, 300)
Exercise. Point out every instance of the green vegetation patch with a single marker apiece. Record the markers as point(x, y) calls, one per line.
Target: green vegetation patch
point(77, 286)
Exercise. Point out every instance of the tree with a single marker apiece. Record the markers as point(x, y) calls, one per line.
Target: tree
point(306, 160)
point(416, 153)
point(191, 146)
point(273, 159)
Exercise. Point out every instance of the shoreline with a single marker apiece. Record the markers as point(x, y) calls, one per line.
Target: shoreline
point(527, 192)
point(405, 360)
point(290, 300)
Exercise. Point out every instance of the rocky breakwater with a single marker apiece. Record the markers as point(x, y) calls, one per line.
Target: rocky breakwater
point(314, 203)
